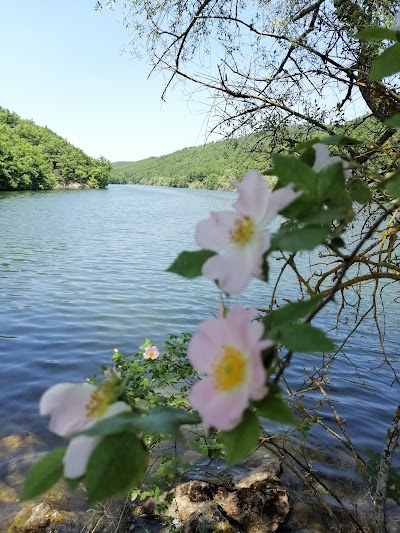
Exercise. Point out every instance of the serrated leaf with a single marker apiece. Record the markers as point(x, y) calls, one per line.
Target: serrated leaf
point(293, 240)
point(331, 184)
point(43, 475)
point(359, 191)
point(305, 338)
point(377, 34)
point(386, 64)
point(291, 312)
point(116, 465)
point(274, 407)
point(165, 420)
point(289, 169)
point(308, 156)
point(242, 440)
point(189, 264)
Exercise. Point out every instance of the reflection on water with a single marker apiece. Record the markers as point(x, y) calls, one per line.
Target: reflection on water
point(83, 271)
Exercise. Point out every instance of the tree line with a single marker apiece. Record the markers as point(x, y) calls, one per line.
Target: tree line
point(215, 165)
point(34, 157)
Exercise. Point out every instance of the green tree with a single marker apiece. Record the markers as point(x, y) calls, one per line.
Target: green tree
point(270, 65)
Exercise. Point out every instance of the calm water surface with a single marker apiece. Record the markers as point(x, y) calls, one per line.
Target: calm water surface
point(83, 271)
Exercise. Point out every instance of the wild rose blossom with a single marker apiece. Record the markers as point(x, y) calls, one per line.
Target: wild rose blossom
point(323, 159)
point(228, 351)
point(151, 352)
point(240, 237)
point(72, 408)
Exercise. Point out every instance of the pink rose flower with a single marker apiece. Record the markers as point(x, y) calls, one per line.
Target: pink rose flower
point(151, 352)
point(228, 351)
point(72, 408)
point(240, 237)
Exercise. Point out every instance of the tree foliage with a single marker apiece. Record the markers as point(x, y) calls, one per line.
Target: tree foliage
point(270, 64)
point(33, 157)
point(212, 166)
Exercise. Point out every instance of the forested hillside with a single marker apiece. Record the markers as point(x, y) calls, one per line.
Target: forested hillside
point(211, 166)
point(214, 165)
point(34, 157)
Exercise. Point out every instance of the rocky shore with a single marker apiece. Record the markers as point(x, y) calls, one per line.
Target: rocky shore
point(263, 495)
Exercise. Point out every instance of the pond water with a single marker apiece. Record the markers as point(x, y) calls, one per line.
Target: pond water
point(83, 272)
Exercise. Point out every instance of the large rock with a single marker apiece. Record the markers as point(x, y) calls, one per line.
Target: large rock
point(31, 519)
point(257, 503)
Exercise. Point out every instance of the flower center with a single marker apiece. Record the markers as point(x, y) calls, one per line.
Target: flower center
point(99, 400)
point(229, 370)
point(242, 231)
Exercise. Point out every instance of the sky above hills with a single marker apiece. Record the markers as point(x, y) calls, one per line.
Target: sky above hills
point(62, 66)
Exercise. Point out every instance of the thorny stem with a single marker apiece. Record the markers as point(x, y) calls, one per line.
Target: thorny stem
point(379, 498)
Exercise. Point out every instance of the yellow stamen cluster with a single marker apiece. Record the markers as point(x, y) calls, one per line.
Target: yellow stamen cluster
point(229, 370)
point(242, 230)
point(100, 400)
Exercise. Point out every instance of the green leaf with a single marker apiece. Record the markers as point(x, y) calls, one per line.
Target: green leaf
point(289, 169)
point(393, 186)
point(44, 474)
point(377, 34)
point(189, 264)
point(386, 64)
point(359, 190)
point(165, 420)
point(326, 216)
point(341, 140)
point(293, 240)
point(305, 338)
point(274, 407)
point(116, 465)
point(331, 184)
point(72, 484)
point(242, 440)
point(334, 140)
point(394, 121)
point(308, 156)
point(291, 312)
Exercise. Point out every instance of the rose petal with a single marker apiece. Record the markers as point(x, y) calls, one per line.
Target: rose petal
point(66, 404)
point(253, 195)
point(232, 269)
point(213, 233)
point(218, 410)
point(77, 455)
point(279, 200)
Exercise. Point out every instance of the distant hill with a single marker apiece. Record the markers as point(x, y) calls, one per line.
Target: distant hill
point(211, 166)
point(214, 165)
point(34, 157)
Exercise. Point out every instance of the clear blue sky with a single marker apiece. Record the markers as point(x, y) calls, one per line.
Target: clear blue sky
point(61, 65)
